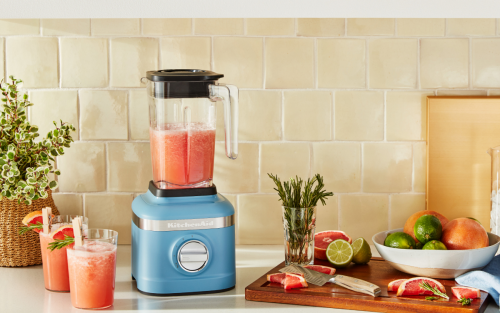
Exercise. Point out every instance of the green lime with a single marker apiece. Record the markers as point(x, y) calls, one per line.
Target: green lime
point(427, 228)
point(362, 251)
point(400, 240)
point(434, 245)
point(419, 245)
point(339, 252)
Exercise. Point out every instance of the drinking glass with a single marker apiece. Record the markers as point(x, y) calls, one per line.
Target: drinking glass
point(299, 225)
point(92, 270)
point(55, 263)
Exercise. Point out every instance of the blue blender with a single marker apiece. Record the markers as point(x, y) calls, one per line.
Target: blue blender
point(182, 229)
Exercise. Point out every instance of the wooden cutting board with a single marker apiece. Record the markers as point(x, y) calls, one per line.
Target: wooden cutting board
point(377, 271)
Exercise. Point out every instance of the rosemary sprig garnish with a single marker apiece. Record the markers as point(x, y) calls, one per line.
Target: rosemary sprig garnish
point(61, 243)
point(293, 196)
point(431, 298)
point(465, 301)
point(24, 229)
point(436, 292)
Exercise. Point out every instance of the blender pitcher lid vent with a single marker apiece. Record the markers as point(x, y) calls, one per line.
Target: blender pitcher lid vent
point(185, 75)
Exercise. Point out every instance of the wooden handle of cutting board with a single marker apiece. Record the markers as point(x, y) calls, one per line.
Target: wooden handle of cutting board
point(358, 285)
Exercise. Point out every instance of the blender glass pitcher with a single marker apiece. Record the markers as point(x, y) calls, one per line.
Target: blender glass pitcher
point(495, 189)
point(182, 122)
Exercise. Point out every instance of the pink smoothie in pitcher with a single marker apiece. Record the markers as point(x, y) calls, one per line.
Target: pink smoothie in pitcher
point(92, 275)
point(182, 155)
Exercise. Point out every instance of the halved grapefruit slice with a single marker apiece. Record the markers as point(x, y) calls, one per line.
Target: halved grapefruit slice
point(466, 292)
point(279, 277)
point(323, 239)
point(411, 287)
point(33, 218)
point(61, 231)
point(322, 269)
point(294, 281)
point(394, 285)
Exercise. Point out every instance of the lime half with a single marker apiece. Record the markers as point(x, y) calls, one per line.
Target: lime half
point(362, 251)
point(339, 253)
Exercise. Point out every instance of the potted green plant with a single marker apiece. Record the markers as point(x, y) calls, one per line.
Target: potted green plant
point(25, 165)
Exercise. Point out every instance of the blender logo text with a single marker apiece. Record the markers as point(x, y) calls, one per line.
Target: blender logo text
point(190, 225)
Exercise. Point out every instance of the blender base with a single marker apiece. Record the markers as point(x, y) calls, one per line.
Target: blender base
point(183, 294)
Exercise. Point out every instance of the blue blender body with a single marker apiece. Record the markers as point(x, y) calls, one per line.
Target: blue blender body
point(155, 254)
point(183, 237)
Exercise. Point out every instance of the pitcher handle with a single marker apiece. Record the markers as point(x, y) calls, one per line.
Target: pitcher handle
point(228, 94)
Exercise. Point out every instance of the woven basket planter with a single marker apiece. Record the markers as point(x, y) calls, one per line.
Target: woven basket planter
point(15, 249)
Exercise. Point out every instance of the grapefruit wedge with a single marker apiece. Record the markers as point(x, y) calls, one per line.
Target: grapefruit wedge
point(411, 287)
point(394, 285)
point(294, 281)
point(61, 231)
point(322, 269)
point(278, 277)
point(466, 292)
point(323, 239)
point(33, 218)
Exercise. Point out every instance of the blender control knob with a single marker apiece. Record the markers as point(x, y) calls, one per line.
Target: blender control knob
point(193, 256)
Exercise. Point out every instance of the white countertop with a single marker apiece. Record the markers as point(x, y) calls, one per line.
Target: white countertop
point(22, 289)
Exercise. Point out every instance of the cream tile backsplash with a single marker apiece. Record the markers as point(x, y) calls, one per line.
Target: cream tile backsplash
point(341, 97)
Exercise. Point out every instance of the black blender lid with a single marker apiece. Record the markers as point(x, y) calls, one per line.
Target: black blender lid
point(182, 75)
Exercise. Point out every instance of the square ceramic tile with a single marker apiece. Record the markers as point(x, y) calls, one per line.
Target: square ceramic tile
point(364, 215)
point(69, 203)
point(406, 115)
point(387, 167)
point(285, 160)
point(34, 60)
point(421, 26)
point(9, 27)
point(485, 63)
point(321, 27)
point(370, 27)
point(327, 216)
point(111, 211)
point(403, 206)
point(393, 63)
point(83, 168)
point(470, 27)
point(218, 26)
point(270, 26)
point(359, 115)
point(260, 220)
point(289, 63)
point(186, 52)
point(103, 114)
point(461, 92)
point(166, 26)
point(308, 115)
point(84, 62)
point(2, 58)
point(131, 58)
point(240, 175)
point(419, 166)
point(116, 26)
point(444, 63)
point(54, 105)
point(129, 166)
point(240, 59)
point(66, 27)
point(139, 114)
point(259, 115)
point(341, 63)
point(339, 164)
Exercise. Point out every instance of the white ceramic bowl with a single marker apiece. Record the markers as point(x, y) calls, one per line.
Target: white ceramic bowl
point(436, 263)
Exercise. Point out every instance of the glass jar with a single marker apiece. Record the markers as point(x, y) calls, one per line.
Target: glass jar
point(299, 225)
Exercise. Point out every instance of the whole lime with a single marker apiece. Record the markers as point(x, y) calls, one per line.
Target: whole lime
point(434, 245)
point(400, 240)
point(427, 228)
